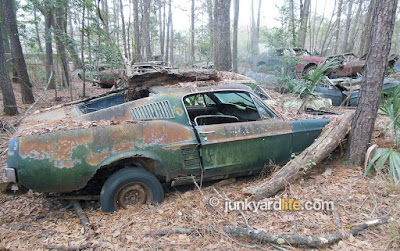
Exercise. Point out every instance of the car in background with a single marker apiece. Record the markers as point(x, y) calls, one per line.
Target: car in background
point(303, 61)
point(347, 64)
point(102, 74)
point(342, 95)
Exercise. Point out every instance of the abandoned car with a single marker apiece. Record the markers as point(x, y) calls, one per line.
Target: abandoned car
point(277, 57)
point(103, 74)
point(342, 95)
point(167, 136)
point(348, 64)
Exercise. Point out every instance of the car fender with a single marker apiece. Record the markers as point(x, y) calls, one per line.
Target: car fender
point(154, 164)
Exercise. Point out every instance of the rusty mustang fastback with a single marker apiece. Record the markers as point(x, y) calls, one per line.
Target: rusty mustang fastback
point(167, 136)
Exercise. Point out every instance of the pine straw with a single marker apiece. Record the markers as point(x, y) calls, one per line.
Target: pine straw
point(32, 221)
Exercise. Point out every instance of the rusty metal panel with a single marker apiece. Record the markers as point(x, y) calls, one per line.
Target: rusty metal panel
point(158, 110)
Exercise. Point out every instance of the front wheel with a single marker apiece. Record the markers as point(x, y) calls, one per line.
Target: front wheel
point(130, 186)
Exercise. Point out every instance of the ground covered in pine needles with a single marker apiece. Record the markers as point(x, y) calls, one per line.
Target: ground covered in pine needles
point(33, 221)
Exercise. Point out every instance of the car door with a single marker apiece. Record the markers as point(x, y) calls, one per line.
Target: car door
point(246, 144)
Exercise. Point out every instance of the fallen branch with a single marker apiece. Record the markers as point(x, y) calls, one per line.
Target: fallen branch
point(298, 240)
point(329, 139)
point(65, 248)
point(172, 230)
point(81, 214)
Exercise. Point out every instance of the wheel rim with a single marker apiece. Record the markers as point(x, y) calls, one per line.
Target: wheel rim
point(310, 71)
point(134, 193)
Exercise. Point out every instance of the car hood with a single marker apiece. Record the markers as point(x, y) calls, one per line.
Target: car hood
point(312, 59)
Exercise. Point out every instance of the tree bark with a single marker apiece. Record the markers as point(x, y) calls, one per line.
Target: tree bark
point(82, 51)
point(9, 103)
point(235, 36)
point(329, 139)
point(365, 40)
point(192, 56)
point(37, 30)
point(121, 8)
point(257, 36)
point(146, 28)
point(371, 91)
point(59, 34)
point(167, 44)
point(337, 33)
point(254, 30)
point(304, 15)
point(348, 23)
point(355, 25)
point(49, 47)
point(161, 25)
point(9, 13)
point(323, 46)
point(211, 24)
point(292, 23)
point(222, 36)
point(71, 27)
point(136, 32)
point(171, 43)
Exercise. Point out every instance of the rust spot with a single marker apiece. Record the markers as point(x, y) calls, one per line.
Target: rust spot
point(46, 147)
point(164, 134)
point(179, 111)
point(123, 147)
point(35, 149)
point(95, 159)
point(66, 146)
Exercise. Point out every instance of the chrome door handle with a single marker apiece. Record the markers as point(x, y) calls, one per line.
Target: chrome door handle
point(209, 132)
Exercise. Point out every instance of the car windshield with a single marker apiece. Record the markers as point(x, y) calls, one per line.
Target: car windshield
point(234, 98)
point(302, 52)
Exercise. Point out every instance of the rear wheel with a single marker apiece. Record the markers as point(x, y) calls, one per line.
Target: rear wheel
point(308, 70)
point(128, 187)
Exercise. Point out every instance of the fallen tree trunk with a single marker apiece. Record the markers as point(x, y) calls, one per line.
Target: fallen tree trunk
point(171, 76)
point(329, 139)
point(298, 240)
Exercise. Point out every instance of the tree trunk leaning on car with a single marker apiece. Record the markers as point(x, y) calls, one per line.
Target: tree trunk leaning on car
point(370, 93)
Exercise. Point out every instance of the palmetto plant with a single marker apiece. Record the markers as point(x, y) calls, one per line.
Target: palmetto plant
point(390, 107)
point(313, 79)
point(379, 159)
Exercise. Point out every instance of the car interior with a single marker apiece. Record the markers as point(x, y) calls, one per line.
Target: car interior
point(224, 107)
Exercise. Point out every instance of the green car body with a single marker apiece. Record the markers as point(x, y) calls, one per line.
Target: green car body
point(174, 134)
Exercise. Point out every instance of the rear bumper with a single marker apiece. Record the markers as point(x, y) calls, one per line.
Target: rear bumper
point(11, 186)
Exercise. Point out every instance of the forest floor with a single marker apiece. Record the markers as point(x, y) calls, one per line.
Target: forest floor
point(33, 221)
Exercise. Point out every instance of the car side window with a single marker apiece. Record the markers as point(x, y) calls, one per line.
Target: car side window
point(195, 100)
point(263, 110)
point(221, 107)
